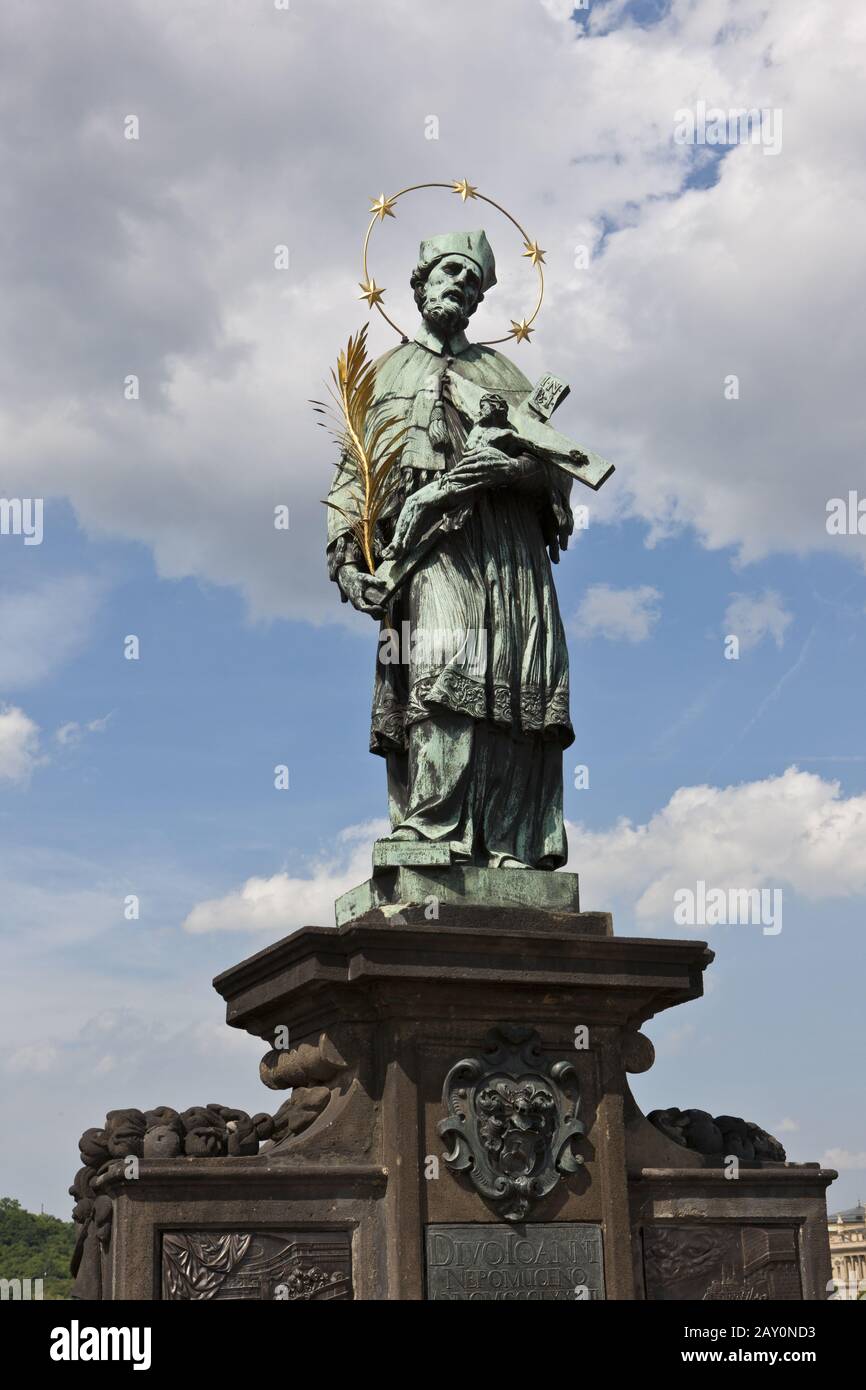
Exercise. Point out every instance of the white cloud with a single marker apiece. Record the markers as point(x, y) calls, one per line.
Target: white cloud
point(843, 1159)
point(175, 233)
point(280, 904)
point(619, 614)
point(43, 626)
point(33, 1058)
point(752, 617)
point(19, 744)
point(795, 830)
point(71, 734)
point(559, 9)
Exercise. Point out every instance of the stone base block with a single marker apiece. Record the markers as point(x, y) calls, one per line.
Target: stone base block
point(390, 854)
point(393, 888)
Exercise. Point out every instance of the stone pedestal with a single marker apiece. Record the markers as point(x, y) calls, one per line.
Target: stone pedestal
point(403, 880)
point(461, 1127)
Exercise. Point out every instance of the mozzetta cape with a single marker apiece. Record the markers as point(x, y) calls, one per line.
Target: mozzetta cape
point(488, 581)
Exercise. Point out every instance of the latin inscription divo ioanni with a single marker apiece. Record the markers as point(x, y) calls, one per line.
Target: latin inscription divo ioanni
point(538, 1263)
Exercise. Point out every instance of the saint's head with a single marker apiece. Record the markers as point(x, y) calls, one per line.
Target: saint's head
point(450, 279)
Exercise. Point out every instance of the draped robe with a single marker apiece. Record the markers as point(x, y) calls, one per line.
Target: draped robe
point(474, 716)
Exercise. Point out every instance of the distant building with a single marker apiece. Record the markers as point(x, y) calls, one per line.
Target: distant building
point(848, 1251)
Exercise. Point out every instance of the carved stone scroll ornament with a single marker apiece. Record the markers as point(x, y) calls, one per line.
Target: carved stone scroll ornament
point(311, 1072)
point(512, 1120)
point(307, 1065)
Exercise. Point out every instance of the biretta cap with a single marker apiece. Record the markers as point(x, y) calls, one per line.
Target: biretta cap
point(473, 245)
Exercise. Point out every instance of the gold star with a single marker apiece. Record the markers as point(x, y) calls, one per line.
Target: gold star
point(520, 330)
point(534, 252)
point(371, 292)
point(465, 189)
point(382, 207)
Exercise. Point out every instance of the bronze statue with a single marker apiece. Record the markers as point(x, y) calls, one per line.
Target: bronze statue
point(472, 712)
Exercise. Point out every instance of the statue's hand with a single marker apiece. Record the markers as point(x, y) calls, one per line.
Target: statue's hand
point(417, 513)
point(489, 467)
point(363, 591)
point(485, 467)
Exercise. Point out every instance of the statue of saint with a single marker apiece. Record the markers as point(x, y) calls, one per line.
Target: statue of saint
point(470, 700)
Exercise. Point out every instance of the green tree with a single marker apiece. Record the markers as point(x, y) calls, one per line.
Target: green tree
point(35, 1247)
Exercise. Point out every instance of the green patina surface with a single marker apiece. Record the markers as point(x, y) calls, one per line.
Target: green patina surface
point(471, 687)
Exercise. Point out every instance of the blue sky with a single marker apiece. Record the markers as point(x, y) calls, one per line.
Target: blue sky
point(158, 523)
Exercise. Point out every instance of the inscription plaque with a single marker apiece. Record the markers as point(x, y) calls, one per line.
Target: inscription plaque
point(532, 1263)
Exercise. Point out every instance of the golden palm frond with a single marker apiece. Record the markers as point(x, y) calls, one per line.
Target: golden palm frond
point(370, 447)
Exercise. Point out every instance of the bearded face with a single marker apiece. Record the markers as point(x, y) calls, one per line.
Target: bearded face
point(450, 294)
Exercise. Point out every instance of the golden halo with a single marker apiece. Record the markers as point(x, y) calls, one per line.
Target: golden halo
point(382, 207)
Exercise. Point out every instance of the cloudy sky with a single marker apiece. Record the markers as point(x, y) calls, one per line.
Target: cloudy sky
point(705, 303)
